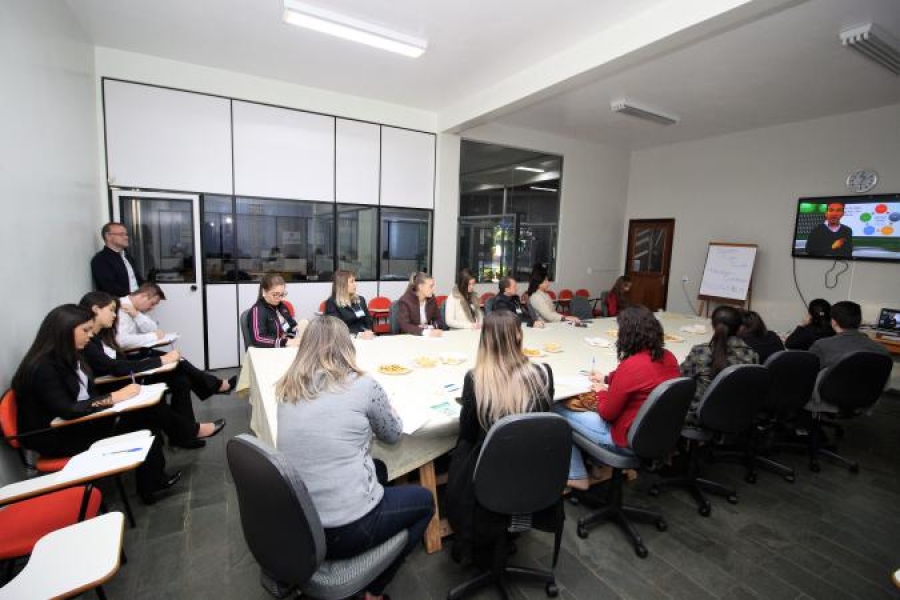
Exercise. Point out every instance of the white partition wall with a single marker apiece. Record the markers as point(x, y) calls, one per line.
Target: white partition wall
point(166, 139)
point(222, 329)
point(367, 289)
point(407, 168)
point(392, 289)
point(283, 153)
point(357, 162)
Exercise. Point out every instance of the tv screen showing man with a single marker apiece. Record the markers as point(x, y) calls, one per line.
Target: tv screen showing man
point(831, 238)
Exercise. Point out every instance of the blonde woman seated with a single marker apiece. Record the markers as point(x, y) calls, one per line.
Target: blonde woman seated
point(461, 310)
point(328, 412)
point(348, 306)
point(418, 312)
point(503, 382)
point(541, 302)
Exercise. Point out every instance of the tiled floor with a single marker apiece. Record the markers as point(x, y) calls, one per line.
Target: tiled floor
point(829, 535)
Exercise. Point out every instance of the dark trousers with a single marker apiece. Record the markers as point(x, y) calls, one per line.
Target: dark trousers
point(177, 421)
point(403, 507)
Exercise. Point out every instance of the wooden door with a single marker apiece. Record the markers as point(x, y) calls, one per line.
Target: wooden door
point(648, 259)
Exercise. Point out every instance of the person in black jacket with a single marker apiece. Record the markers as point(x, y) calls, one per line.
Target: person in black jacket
point(349, 307)
point(815, 326)
point(104, 357)
point(271, 323)
point(112, 268)
point(52, 381)
point(756, 335)
point(508, 299)
point(503, 382)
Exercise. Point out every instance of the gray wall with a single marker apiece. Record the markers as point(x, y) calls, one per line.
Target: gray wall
point(48, 168)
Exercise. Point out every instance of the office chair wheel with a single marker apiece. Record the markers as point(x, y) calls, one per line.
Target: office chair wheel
point(653, 491)
point(661, 525)
point(732, 499)
point(705, 510)
point(551, 589)
point(750, 478)
point(641, 551)
point(582, 532)
point(854, 468)
point(814, 466)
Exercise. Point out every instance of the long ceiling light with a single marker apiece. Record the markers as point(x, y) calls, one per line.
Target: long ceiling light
point(634, 109)
point(874, 43)
point(349, 28)
point(530, 169)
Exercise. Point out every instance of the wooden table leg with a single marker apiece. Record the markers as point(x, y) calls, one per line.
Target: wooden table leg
point(433, 533)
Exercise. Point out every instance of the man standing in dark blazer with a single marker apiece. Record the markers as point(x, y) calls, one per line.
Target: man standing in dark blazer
point(113, 271)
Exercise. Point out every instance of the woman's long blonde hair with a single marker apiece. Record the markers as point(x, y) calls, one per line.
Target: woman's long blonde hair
point(339, 289)
point(505, 380)
point(325, 362)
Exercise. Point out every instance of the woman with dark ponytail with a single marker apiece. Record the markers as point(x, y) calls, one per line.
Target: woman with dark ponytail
point(705, 361)
point(815, 326)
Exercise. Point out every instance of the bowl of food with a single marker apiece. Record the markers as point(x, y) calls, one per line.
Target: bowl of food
point(532, 352)
point(393, 369)
point(426, 362)
point(553, 347)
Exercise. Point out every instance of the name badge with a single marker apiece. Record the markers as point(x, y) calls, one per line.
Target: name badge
point(285, 326)
point(518, 310)
point(358, 311)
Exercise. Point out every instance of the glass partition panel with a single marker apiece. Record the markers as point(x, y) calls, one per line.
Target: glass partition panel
point(290, 237)
point(405, 242)
point(162, 243)
point(357, 239)
point(218, 239)
point(487, 246)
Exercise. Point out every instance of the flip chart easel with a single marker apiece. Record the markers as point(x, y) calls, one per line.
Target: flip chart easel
point(727, 275)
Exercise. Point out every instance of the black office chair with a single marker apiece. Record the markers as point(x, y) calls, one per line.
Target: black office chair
point(652, 436)
point(522, 470)
point(580, 307)
point(283, 531)
point(393, 317)
point(489, 305)
point(846, 389)
point(728, 407)
point(245, 328)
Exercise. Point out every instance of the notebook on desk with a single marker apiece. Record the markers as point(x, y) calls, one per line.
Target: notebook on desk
point(889, 324)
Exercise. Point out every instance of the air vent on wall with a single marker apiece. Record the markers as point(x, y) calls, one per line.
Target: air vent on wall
point(634, 109)
point(875, 44)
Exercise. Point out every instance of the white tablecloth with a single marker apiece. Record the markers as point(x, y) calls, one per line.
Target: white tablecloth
point(439, 385)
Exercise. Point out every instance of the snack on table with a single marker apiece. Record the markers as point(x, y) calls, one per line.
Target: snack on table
point(453, 358)
point(393, 369)
point(672, 338)
point(613, 333)
point(553, 347)
point(532, 352)
point(425, 361)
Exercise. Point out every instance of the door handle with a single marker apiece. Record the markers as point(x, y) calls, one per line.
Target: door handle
point(194, 287)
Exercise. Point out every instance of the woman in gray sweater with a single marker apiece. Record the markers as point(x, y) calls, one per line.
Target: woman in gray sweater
point(328, 411)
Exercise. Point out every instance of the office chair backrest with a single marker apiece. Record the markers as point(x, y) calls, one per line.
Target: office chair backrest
point(280, 523)
point(245, 328)
point(657, 425)
point(604, 308)
point(489, 305)
point(580, 307)
point(393, 317)
point(524, 463)
point(733, 398)
point(9, 414)
point(856, 381)
point(793, 374)
point(531, 312)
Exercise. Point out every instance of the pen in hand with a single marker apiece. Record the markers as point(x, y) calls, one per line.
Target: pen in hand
point(122, 451)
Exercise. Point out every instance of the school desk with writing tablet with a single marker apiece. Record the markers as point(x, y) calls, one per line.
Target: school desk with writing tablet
point(148, 396)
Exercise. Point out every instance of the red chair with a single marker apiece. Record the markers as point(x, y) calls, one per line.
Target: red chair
point(485, 297)
point(583, 292)
point(380, 308)
point(565, 296)
point(552, 295)
point(290, 307)
point(22, 524)
point(9, 427)
point(440, 300)
point(321, 308)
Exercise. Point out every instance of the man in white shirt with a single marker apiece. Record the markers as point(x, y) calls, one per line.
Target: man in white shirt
point(112, 269)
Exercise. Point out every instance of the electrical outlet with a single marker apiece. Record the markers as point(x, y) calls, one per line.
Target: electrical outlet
point(684, 279)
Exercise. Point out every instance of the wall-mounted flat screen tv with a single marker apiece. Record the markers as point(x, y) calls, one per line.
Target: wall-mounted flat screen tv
point(848, 227)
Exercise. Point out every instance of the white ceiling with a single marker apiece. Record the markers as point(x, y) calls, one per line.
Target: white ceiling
point(787, 65)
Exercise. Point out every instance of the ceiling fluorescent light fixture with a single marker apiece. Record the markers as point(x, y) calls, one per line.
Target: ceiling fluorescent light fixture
point(530, 169)
point(349, 28)
point(543, 189)
point(874, 43)
point(635, 109)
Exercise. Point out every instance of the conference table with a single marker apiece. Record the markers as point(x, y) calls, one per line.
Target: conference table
point(425, 396)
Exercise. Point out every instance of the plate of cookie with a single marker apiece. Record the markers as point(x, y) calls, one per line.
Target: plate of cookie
point(452, 358)
point(532, 352)
point(426, 362)
point(553, 347)
point(393, 369)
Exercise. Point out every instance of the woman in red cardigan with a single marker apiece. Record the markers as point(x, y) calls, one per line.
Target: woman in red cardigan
point(643, 365)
